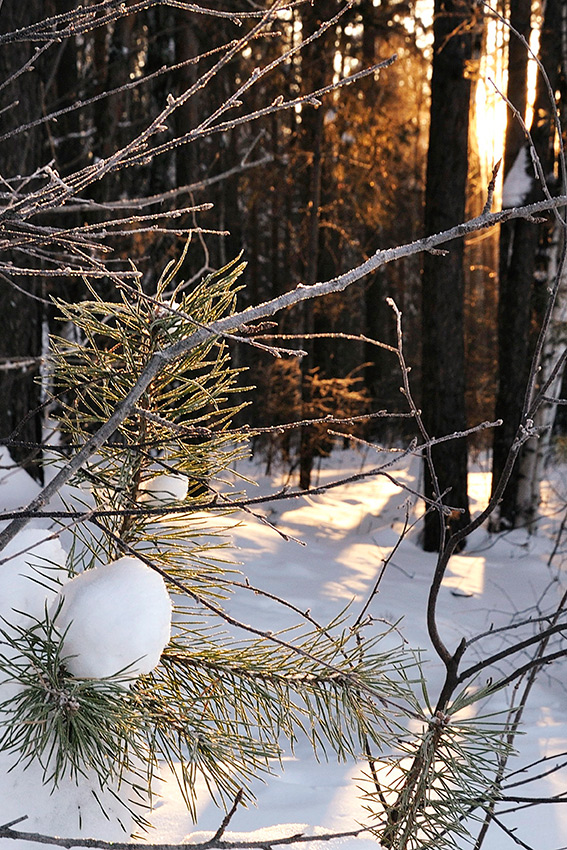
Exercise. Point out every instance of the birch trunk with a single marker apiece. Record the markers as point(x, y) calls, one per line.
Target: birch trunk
point(536, 451)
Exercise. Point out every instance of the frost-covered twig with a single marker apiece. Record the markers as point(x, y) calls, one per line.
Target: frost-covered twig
point(165, 510)
point(269, 308)
point(212, 844)
point(347, 677)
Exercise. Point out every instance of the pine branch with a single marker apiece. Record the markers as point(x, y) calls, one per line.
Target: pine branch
point(172, 353)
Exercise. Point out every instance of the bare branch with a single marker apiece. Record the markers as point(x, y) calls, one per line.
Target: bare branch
point(298, 838)
point(251, 314)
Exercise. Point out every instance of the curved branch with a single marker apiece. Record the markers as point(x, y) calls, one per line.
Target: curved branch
point(268, 308)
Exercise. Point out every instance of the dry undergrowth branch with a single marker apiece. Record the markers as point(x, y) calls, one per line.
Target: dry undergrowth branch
point(231, 323)
point(214, 843)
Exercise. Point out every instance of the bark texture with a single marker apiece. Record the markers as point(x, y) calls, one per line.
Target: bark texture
point(20, 314)
point(523, 252)
point(443, 370)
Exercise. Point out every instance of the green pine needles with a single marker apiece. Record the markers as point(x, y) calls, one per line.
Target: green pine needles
point(439, 783)
point(70, 726)
point(221, 702)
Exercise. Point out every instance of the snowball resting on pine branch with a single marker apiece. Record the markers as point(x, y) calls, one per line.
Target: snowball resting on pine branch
point(115, 620)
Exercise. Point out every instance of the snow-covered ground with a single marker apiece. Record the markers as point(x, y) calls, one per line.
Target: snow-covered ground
point(348, 531)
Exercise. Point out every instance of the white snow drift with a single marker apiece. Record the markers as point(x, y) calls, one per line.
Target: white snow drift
point(31, 575)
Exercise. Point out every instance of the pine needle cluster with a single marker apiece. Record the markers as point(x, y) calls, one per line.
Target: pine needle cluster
point(70, 726)
point(439, 785)
point(217, 707)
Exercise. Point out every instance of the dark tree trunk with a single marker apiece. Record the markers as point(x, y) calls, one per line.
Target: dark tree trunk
point(20, 313)
point(307, 453)
point(187, 46)
point(314, 74)
point(443, 381)
point(62, 91)
point(515, 273)
point(161, 50)
point(114, 57)
point(517, 86)
point(519, 246)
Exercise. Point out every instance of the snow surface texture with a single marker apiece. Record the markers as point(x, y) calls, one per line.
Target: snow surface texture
point(28, 581)
point(70, 810)
point(348, 532)
point(116, 620)
point(30, 578)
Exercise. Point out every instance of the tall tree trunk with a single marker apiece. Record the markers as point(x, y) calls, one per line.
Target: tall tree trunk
point(517, 85)
point(515, 278)
point(186, 118)
point(20, 312)
point(314, 72)
point(536, 451)
point(69, 145)
point(443, 369)
point(519, 253)
point(114, 57)
point(306, 454)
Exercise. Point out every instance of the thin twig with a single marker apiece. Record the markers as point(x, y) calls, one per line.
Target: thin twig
point(301, 293)
point(229, 815)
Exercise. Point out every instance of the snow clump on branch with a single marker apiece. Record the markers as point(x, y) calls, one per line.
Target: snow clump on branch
point(115, 620)
point(162, 489)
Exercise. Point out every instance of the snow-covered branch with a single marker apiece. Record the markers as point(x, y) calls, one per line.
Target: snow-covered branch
point(220, 843)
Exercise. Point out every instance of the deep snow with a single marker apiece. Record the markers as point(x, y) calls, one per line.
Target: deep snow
point(348, 532)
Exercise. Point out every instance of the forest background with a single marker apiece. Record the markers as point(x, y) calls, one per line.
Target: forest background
point(305, 194)
point(293, 151)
